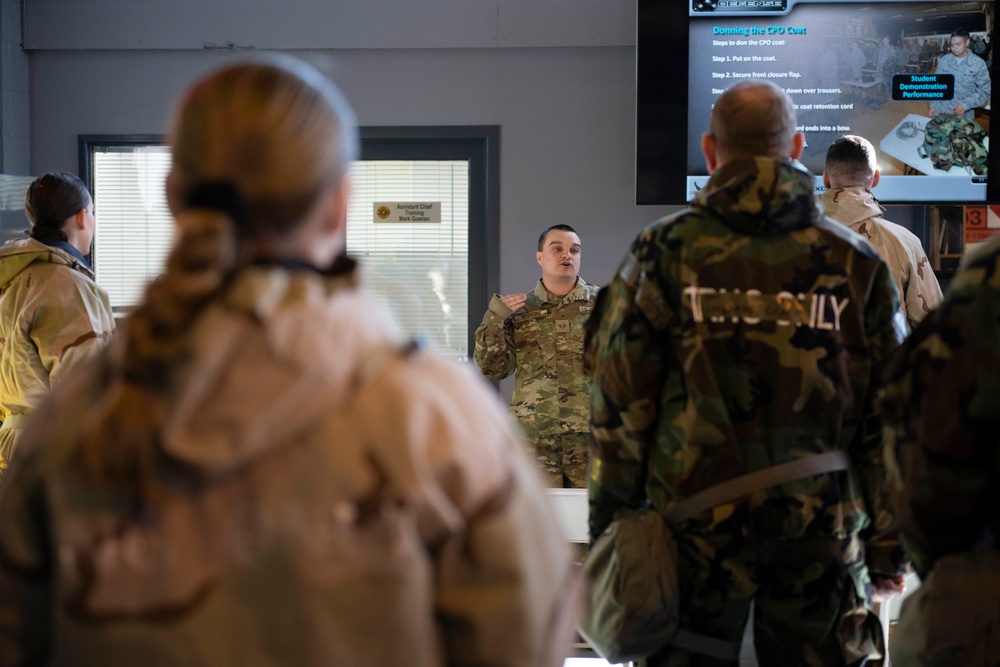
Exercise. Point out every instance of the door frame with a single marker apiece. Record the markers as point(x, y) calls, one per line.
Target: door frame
point(480, 146)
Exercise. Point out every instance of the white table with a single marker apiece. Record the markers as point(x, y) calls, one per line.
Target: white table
point(865, 90)
point(572, 511)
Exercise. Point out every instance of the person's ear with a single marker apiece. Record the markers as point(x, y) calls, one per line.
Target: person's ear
point(876, 177)
point(325, 235)
point(708, 149)
point(80, 219)
point(826, 179)
point(174, 196)
point(538, 257)
point(798, 144)
point(337, 199)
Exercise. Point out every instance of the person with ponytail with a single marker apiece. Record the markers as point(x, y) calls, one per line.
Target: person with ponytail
point(259, 470)
point(52, 313)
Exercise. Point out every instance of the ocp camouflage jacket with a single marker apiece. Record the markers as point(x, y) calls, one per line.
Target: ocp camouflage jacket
point(743, 332)
point(542, 345)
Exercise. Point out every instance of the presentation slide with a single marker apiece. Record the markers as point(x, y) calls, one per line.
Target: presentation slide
point(879, 70)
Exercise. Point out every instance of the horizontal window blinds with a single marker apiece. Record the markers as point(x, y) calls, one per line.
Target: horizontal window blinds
point(134, 226)
point(419, 270)
point(13, 221)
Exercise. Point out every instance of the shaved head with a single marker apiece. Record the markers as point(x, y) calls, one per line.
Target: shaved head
point(753, 118)
point(851, 161)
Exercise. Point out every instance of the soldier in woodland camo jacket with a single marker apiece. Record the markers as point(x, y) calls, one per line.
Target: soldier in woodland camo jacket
point(744, 332)
point(538, 337)
point(941, 408)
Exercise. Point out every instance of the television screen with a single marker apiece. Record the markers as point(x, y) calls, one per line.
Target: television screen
point(889, 71)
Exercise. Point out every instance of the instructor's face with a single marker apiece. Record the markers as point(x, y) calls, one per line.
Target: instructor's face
point(560, 255)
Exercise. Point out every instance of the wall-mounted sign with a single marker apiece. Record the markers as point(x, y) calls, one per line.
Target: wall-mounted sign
point(981, 223)
point(406, 211)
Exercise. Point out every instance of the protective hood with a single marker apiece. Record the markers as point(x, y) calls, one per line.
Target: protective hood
point(851, 205)
point(15, 256)
point(281, 351)
point(761, 195)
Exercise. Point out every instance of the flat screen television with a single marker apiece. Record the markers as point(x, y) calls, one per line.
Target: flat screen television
point(864, 67)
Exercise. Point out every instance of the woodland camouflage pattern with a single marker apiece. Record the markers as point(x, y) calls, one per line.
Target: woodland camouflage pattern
point(955, 141)
point(942, 414)
point(741, 333)
point(542, 346)
point(942, 411)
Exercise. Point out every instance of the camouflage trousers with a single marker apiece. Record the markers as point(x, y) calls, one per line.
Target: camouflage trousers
point(562, 459)
point(811, 601)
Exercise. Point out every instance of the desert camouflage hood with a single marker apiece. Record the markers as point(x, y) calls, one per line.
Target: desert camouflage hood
point(857, 209)
point(297, 335)
point(322, 520)
point(761, 195)
point(17, 255)
point(851, 205)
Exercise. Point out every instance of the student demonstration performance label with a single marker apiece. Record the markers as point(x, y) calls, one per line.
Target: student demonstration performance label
point(912, 87)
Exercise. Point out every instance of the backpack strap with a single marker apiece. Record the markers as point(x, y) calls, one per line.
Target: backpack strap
point(809, 466)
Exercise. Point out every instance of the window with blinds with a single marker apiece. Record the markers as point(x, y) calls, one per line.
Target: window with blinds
point(13, 221)
point(419, 270)
point(134, 226)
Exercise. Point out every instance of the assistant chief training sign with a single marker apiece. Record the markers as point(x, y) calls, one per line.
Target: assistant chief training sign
point(407, 211)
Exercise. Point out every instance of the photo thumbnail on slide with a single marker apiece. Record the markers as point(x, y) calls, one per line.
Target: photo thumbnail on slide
point(911, 77)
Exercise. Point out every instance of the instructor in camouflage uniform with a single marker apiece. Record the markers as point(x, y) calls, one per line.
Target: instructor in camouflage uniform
point(538, 337)
point(942, 415)
point(972, 78)
point(742, 333)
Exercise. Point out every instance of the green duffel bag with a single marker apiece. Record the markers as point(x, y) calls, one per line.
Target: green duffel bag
point(634, 608)
point(954, 617)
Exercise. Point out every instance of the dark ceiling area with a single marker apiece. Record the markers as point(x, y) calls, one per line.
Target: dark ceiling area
point(920, 18)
